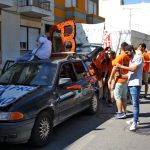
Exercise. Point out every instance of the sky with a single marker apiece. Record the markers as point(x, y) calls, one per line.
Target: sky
point(136, 1)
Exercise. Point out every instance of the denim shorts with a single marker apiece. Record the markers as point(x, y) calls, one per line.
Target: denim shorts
point(120, 91)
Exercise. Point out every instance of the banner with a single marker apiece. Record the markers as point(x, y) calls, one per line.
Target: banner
point(89, 33)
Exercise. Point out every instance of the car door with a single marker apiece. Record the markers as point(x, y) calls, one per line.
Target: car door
point(67, 92)
point(87, 89)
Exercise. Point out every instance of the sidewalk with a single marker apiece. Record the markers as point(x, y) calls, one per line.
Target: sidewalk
point(115, 135)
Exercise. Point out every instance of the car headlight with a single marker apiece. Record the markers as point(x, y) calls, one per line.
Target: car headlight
point(11, 116)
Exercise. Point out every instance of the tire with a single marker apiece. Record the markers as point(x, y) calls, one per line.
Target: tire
point(94, 104)
point(42, 130)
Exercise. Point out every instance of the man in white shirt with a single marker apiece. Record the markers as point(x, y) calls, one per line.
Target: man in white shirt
point(44, 47)
point(42, 51)
point(134, 82)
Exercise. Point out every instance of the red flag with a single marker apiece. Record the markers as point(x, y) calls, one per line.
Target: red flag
point(106, 40)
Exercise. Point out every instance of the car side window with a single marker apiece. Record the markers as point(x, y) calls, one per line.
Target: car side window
point(80, 69)
point(67, 72)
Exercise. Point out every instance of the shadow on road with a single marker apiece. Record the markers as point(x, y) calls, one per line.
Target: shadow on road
point(71, 130)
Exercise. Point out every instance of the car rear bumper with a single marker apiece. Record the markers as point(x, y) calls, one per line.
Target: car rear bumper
point(16, 132)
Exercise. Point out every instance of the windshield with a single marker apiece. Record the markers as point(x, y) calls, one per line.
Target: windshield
point(30, 74)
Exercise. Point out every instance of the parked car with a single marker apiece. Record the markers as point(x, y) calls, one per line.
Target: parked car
point(35, 96)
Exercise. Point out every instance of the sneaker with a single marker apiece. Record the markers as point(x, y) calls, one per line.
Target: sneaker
point(125, 113)
point(131, 121)
point(120, 116)
point(133, 126)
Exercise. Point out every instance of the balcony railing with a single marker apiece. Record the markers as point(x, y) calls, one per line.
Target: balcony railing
point(5, 4)
point(43, 4)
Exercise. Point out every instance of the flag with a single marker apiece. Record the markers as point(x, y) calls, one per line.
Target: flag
point(106, 39)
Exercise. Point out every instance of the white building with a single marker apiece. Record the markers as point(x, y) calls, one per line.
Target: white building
point(130, 22)
point(121, 17)
point(20, 23)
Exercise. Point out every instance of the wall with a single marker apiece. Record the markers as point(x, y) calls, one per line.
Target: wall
point(10, 35)
point(134, 38)
point(137, 38)
point(59, 11)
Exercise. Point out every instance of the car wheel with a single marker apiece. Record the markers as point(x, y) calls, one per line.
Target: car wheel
point(42, 130)
point(93, 108)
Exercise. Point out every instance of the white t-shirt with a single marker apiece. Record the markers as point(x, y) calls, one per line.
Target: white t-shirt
point(43, 51)
point(135, 78)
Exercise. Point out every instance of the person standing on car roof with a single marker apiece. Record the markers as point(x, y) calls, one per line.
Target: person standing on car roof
point(42, 51)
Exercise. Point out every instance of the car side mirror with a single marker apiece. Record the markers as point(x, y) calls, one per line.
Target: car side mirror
point(64, 81)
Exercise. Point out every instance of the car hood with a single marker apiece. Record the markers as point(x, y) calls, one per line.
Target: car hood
point(11, 93)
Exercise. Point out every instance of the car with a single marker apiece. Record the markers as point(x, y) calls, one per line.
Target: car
point(35, 96)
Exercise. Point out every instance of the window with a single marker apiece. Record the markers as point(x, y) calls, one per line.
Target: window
point(94, 8)
point(80, 69)
point(23, 38)
point(70, 3)
point(91, 7)
point(67, 72)
point(28, 37)
point(33, 33)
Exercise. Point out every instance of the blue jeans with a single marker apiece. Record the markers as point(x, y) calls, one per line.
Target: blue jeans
point(27, 56)
point(135, 93)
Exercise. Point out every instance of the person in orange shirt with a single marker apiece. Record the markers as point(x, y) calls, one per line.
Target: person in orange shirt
point(120, 89)
point(104, 75)
point(111, 56)
point(146, 56)
point(95, 68)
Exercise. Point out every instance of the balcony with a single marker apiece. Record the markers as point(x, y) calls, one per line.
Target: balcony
point(6, 3)
point(75, 13)
point(34, 8)
point(92, 18)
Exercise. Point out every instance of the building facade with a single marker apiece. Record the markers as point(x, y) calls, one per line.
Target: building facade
point(130, 21)
point(22, 20)
point(84, 11)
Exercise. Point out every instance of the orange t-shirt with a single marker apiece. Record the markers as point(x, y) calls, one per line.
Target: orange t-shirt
point(110, 66)
point(99, 59)
point(124, 60)
point(146, 57)
point(98, 63)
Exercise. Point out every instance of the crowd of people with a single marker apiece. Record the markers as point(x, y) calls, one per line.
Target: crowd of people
point(121, 76)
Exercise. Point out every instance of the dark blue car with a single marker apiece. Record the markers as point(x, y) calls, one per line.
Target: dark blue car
point(35, 96)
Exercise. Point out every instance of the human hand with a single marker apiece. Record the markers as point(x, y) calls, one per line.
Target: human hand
point(104, 79)
point(109, 82)
point(118, 65)
point(118, 74)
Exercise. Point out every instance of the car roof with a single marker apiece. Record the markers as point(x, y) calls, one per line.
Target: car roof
point(89, 44)
point(54, 60)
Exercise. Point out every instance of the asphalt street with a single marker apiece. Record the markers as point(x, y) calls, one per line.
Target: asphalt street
point(99, 132)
